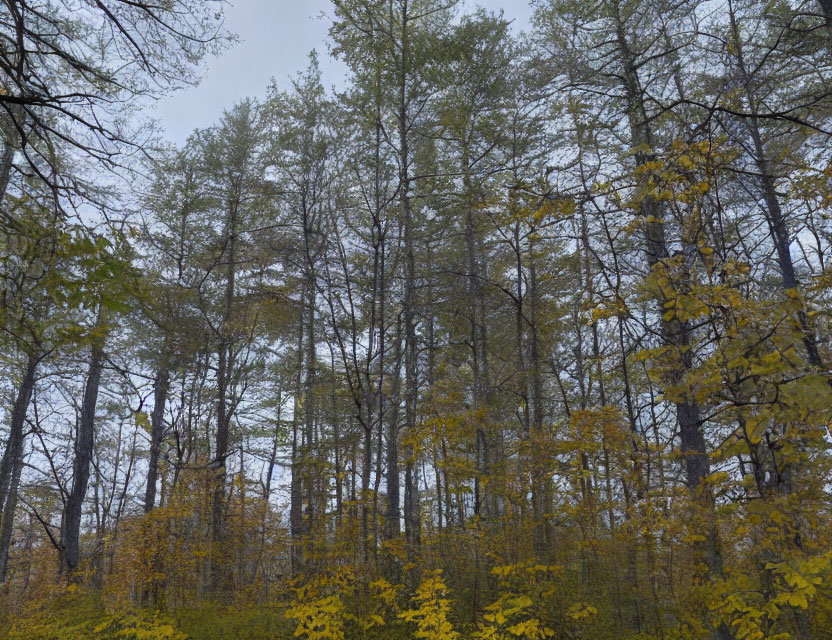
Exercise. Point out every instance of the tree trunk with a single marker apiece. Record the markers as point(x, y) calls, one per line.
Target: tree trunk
point(12, 463)
point(297, 470)
point(7, 525)
point(366, 470)
point(309, 396)
point(160, 395)
point(479, 348)
point(225, 366)
point(15, 441)
point(393, 486)
point(84, 440)
point(411, 483)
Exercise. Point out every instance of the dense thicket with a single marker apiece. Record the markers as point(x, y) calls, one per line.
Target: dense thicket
point(516, 336)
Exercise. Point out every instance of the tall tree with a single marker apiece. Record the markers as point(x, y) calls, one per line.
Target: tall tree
point(404, 34)
point(70, 73)
point(299, 150)
point(83, 452)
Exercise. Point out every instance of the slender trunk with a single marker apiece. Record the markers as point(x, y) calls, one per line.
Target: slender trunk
point(309, 411)
point(298, 465)
point(378, 303)
point(447, 485)
point(8, 517)
point(519, 325)
point(775, 216)
point(411, 481)
point(438, 480)
point(475, 290)
point(84, 440)
point(14, 444)
point(125, 489)
point(336, 445)
point(393, 498)
point(224, 367)
point(540, 488)
point(160, 395)
point(599, 367)
point(267, 489)
point(478, 337)
point(366, 469)
point(535, 381)
point(14, 455)
point(377, 534)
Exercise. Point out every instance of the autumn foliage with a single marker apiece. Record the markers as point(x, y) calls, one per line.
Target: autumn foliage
point(508, 338)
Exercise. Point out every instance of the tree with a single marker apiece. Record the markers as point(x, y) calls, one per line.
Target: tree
point(402, 37)
point(300, 150)
point(70, 71)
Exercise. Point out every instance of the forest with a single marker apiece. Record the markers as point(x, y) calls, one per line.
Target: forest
point(514, 334)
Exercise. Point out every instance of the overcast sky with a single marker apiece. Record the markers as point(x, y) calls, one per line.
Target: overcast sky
point(275, 39)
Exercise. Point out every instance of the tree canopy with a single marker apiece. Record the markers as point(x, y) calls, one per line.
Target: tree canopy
point(513, 335)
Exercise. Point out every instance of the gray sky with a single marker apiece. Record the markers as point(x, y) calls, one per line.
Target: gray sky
point(275, 39)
